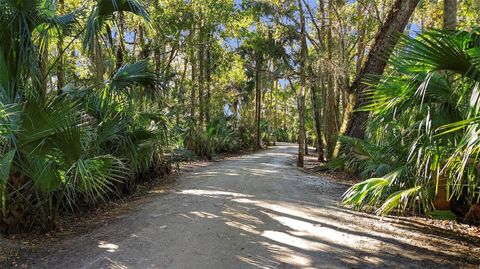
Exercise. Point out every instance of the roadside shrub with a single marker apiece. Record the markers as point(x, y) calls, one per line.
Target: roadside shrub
point(423, 129)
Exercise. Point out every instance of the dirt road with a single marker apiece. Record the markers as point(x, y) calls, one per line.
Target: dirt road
point(256, 211)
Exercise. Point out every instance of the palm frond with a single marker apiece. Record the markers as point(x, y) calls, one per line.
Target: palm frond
point(131, 75)
point(399, 199)
point(94, 178)
point(46, 119)
point(104, 11)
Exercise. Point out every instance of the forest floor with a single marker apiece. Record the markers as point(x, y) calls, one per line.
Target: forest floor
point(255, 211)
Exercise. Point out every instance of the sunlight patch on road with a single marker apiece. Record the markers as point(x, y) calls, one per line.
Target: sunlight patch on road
point(277, 154)
point(288, 256)
point(262, 171)
point(203, 214)
point(252, 229)
point(234, 213)
point(273, 165)
point(214, 194)
point(293, 209)
point(303, 229)
point(297, 242)
point(108, 246)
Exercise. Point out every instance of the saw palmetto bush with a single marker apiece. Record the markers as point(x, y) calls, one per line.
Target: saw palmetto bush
point(64, 150)
point(424, 126)
point(218, 137)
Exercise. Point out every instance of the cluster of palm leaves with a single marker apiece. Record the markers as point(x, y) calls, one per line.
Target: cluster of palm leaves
point(219, 136)
point(61, 150)
point(423, 135)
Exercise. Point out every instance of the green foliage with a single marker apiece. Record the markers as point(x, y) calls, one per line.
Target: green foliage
point(102, 13)
point(443, 215)
point(76, 148)
point(423, 123)
point(218, 137)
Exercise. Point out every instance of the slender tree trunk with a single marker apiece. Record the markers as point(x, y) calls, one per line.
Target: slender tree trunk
point(449, 14)
point(258, 101)
point(275, 113)
point(306, 144)
point(44, 69)
point(361, 28)
point(275, 108)
point(208, 75)
point(316, 117)
point(193, 97)
point(98, 64)
point(144, 46)
point(301, 97)
point(193, 64)
point(60, 70)
point(201, 71)
point(331, 98)
point(316, 84)
point(476, 8)
point(157, 57)
point(324, 73)
point(271, 116)
point(182, 91)
point(442, 195)
point(383, 45)
point(121, 43)
point(350, 97)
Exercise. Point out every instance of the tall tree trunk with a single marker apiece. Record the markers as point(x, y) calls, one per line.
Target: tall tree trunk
point(258, 101)
point(449, 14)
point(60, 70)
point(144, 46)
point(181, 89)
point(271, 116)
point(156, 51)
point(350, 97)
point(384, 42)
point(316, 82)
point(324, 74)
point(330, 108)
point(121, 41)
point(275, 113)
point(361, 29)
point(306, 144)
point(98, 64)
point(275, 108)
point(201, 70)
point(193, 64)
point(442, 195)
point(208, 74)
point(476, 8)
point(301, 96)
point(44, 69)
point(316, 116)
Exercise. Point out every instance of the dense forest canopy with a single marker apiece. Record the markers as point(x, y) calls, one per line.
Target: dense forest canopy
point(96, 96)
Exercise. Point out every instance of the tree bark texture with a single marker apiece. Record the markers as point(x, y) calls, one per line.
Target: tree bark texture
point(383, 45)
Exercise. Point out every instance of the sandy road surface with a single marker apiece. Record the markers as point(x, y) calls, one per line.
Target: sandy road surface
point(255, 211)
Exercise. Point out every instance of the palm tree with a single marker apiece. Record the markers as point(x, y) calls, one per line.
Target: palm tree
point(425, 123)
point(27, 28)
point(81, 146)
point(98, 29)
